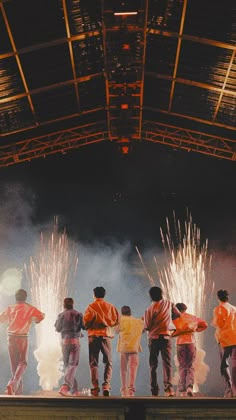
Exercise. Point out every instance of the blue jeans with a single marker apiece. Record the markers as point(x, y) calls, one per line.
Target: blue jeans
point(227, 353)
point(71, 353)
point(160, 345)
point(186, 354)
point(99, 344)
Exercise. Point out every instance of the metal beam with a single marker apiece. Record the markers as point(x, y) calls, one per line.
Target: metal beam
point(64, 141)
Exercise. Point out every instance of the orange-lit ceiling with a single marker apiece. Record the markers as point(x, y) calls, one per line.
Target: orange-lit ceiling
point(78, 72)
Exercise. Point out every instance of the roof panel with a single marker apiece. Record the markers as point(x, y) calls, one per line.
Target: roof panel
point(10, 80)
point(31, 21)
point(195, 101)
point(227, 110)
point(84, 15)
point(15, 115)
point(165, 14)
point(88, 55)
point(5, 44)
point(73, 59)
point(47, 66)
point(203, 63)
point(92, 93)
point(55, 103)
point(157, 93)
point(160, 54)
point(212, 19)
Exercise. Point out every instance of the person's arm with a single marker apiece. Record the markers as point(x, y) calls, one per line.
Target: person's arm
point(4, 316)
point(147, 320)
point(202, 325)
point(175, 313)
point(38, 316)
point(88, 317)
point(82, 322)
point(115, 317)
point(58, 324)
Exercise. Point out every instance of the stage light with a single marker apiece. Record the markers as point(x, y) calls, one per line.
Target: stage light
point(125, 13)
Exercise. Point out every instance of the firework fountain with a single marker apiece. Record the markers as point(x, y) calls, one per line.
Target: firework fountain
point(49, 273)
point(185, 278)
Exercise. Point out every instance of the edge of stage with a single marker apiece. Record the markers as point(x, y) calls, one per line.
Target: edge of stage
point(51, 406)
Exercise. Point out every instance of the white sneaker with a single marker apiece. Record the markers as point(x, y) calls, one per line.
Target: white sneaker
point(190, 392)
point(183, 394)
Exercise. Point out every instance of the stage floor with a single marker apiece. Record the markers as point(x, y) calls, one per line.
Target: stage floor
point(51, 406)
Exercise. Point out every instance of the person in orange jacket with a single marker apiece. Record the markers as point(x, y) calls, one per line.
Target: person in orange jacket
point(99, 319)
point(19, 318)
point(224, 320)
point(186, 327)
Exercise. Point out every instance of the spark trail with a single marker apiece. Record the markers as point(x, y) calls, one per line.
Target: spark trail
point(185, 278)
point(49, 274)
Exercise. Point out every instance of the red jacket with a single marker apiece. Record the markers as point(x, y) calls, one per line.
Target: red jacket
point(20, 317)
point(99, 318)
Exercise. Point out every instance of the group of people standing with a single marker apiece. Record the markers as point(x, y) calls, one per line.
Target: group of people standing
point(162, 321)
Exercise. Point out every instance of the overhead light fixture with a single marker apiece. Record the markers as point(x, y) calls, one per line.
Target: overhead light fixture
point(125, 13)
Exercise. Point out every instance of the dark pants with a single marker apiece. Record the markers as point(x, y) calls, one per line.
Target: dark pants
point(18, 354)
point(160, 345)
point(227, 353)
point(186, 354)
point(71, 353)
point(97, 345)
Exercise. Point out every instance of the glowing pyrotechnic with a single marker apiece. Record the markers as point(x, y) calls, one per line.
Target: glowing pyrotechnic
point(48, 274)
point(185, 278)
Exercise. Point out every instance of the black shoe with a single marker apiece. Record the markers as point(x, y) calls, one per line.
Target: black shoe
point(95, 392)
point(106, 393)
point(155, 393)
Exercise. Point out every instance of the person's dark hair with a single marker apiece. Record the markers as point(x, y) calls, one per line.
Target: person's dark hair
point(223, 295)
point(21, 295)
point(155, 293)
point(126, 310)
point(99, 292)
point(68, 303)
point(181, 307)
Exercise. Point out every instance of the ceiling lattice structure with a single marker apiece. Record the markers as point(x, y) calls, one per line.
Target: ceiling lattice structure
point(78, 72)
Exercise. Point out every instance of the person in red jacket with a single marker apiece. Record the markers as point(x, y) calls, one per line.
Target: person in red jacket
point(99, 318)
point(19, 318)
point(158, 319)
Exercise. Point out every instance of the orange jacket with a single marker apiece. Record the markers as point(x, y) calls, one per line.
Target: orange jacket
point(186, 326)
point(20, 317)
point(99, 318)
point(224, 320)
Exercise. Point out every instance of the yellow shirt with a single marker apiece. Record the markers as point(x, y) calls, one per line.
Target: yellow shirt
point(130, 332)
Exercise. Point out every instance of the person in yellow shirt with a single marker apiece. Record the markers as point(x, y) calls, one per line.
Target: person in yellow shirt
point(224, 320)
point(130, 331)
